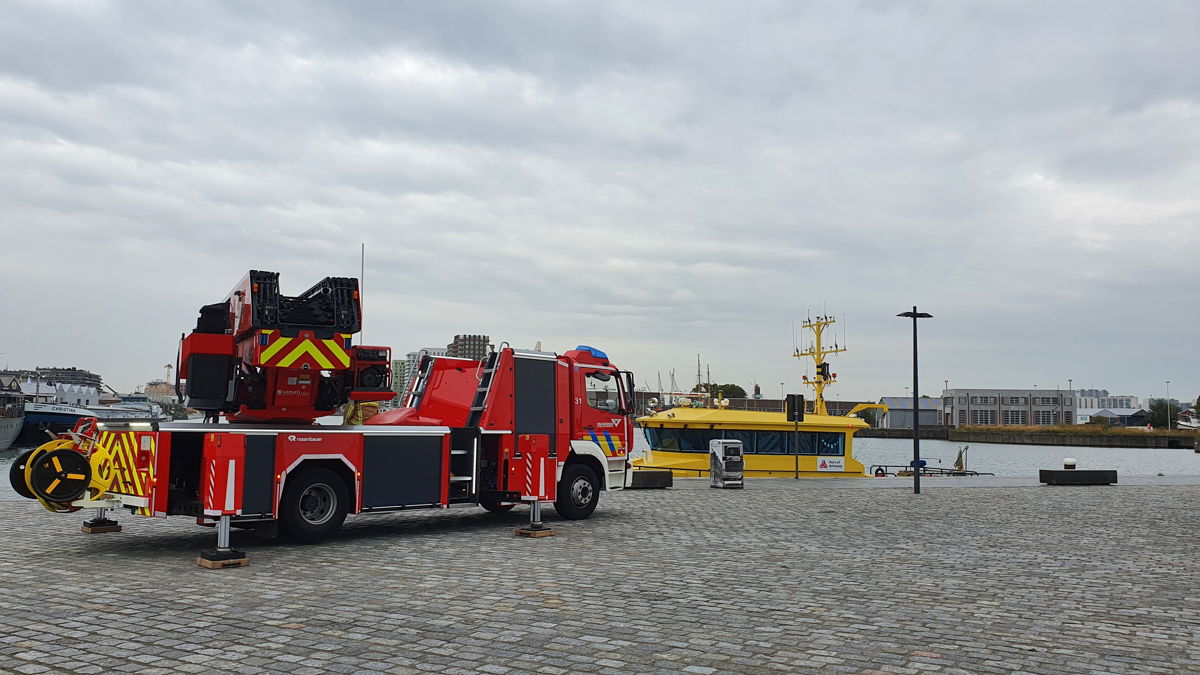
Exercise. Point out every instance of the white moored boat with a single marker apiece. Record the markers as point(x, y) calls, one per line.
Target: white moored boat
point(12, 417)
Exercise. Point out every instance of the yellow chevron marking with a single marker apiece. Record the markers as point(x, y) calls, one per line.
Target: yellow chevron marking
point(306, 347)
point(122, 482)
point(337, 351)
point(274, 348)
point(131, 457)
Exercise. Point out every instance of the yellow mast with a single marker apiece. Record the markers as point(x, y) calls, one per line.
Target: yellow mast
point(823, 377)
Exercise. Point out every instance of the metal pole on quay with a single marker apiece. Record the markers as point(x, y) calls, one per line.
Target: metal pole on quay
point(1168, 405)
point(916, 461)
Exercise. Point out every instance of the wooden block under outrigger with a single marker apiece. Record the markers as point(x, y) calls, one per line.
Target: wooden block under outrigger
point(222, 564)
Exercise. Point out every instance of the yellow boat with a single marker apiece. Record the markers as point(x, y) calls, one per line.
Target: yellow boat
point(679, 439)
point(821, 445)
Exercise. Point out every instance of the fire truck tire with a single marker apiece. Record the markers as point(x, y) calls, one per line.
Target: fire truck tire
point(578, 492)
point(314, 504)
point(496, 507)
point(16, 475)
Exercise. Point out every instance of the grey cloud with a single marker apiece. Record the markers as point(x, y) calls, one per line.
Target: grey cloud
point(667, 178)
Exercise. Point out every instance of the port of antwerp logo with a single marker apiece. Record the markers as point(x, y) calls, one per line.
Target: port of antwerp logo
point(613, 422)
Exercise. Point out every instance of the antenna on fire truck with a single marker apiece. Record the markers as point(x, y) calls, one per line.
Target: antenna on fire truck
point(362, 284)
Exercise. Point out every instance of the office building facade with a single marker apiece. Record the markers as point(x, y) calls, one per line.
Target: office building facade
point(1008, 407)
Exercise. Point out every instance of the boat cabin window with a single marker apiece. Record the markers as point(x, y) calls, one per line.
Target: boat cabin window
point(602, 391)
point(753, 442)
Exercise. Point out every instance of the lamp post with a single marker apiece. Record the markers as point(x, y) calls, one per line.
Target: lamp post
point(916, 463)
point(782, 397)
point(1168, 405)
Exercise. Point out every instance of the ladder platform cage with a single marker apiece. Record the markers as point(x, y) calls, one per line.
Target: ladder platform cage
point(330, 306)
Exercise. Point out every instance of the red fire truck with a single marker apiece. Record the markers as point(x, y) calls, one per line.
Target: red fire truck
point(516, 426)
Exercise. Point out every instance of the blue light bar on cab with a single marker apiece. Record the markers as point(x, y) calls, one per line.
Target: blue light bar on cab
point(595, 352)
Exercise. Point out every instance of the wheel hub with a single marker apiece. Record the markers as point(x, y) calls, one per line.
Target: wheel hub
point(317, 504)
point(581, 491)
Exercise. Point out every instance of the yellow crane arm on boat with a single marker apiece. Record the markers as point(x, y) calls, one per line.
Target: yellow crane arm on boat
point(867, 406)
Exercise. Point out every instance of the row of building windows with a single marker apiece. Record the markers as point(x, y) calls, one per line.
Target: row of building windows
point(757, 442)
point(1110, 402)
point(987, 417)
point(1007, 400)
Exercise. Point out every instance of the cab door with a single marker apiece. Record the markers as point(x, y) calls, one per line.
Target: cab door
point(600, 401)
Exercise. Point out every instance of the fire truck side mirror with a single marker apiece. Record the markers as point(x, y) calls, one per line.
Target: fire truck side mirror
point(625, 382)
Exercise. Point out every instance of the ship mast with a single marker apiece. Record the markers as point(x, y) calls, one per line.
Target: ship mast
point(818, 353)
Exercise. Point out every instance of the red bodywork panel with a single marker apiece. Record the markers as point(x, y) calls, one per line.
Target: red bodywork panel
point(529, 469)
point(221, 474)
point(293, 448)
point(293, 395)
point(447, 399)
point(203, 343)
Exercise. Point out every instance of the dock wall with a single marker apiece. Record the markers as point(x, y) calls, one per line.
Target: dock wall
point(1088, 440)
point(942, 433)
point(931, 432)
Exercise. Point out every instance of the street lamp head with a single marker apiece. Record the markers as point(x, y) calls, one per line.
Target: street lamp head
point(915, 315)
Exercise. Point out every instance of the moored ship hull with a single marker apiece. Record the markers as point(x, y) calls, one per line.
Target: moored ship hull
point(43, 420)
point(10, 428)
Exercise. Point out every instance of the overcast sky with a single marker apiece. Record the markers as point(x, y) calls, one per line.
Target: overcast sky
point(657, 179)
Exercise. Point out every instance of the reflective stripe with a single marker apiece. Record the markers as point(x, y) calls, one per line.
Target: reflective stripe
point(229, 481)
point(337, 352)
point(306, 347)
point(273, 349)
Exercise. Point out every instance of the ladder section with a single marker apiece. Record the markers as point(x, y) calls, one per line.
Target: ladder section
point(464, 465)
point(485, 387)
point(412, 399)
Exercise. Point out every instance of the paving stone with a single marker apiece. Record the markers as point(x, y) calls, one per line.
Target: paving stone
point(788, 576)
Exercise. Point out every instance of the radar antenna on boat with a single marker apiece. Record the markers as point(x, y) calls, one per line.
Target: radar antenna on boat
point(823, 378)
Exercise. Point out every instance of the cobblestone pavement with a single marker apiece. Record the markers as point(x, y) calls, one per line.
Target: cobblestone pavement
point(776, 577)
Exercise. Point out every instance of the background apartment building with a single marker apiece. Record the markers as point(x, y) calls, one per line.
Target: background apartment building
point(1007, 407)
point(469, 347)
point(1100, 398)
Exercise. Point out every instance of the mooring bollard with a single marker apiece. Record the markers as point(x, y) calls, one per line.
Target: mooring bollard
point(1068, 475)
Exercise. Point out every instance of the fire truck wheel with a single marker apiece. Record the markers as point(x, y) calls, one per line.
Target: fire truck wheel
point(16, 475)
point(496, 507)
point(314, 504)
point(578, 492)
